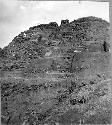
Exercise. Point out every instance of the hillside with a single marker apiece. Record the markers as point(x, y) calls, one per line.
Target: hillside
point(58, 74)
point(48, 41)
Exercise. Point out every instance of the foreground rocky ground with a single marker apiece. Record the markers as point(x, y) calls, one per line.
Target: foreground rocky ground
point(57, 75)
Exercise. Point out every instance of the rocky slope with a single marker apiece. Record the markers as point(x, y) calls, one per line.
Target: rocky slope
point(58, 74)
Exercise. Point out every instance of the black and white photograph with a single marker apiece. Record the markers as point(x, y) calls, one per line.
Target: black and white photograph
point(55, 62)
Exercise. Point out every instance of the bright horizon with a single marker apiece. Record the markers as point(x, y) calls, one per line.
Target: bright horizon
point(18, 16)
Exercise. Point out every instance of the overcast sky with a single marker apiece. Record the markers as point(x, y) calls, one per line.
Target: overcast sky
point(17, 16)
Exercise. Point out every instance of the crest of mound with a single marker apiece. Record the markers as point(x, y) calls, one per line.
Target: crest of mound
point(33, 42)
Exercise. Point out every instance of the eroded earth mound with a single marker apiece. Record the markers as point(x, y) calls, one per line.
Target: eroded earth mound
point(57, 75)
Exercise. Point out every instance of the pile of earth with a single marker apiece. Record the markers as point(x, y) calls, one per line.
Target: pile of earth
point(54, 74)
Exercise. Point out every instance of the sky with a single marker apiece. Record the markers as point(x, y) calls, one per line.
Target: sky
point(17, 16)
